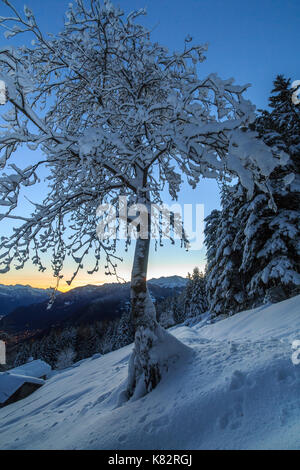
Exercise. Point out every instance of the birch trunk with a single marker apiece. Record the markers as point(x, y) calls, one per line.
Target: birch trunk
point(154, 347)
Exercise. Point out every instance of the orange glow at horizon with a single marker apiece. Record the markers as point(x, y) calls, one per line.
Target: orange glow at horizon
point(46, 280)
point(63, 287)
point(164, 265)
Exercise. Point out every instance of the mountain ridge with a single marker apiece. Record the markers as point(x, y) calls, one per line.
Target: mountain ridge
point(18, 295)
point(84, 304)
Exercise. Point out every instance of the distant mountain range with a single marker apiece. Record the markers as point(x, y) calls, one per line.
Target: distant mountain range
point(12, 297)
point(81, 305)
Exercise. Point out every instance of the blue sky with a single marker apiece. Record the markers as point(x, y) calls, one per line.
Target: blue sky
point(252, 41)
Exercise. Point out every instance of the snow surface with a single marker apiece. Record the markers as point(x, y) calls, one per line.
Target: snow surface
point(239, 390)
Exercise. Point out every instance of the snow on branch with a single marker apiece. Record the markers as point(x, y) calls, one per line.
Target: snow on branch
point(3, 93)
point(110, 110)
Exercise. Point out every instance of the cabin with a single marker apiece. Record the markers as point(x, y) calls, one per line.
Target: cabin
point(16, 387)
point(18, 383)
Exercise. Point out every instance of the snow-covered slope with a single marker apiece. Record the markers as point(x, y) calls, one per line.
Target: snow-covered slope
point(239, 390)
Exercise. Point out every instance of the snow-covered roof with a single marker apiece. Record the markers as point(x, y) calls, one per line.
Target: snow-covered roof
point(36, 368)
point(10, 383)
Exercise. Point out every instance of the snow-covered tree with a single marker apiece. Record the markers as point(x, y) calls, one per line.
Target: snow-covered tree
point(170, 310)
point(22, 355)
point(195, 297)
point(108, 337)
point(211, 232)
point(166, 318)
point(49, 349)
point(187, 297)
point(124, 332)
point(271, 258)
point(65, 358)
point(253, 251)
point(87, 341)
point(114, 113)
point(225, 286)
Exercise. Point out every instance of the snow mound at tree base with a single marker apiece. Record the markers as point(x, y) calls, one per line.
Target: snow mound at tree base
point(149, 364)
point(239, 390)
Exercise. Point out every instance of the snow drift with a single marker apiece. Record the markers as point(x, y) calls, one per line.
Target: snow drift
point(239, 390)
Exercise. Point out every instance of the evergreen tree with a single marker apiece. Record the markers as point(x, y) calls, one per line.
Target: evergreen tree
point(171, 310)
point(22, 355)
point(253, 250)
point(195, 295)
point(124, 331)
point(50, 348)
point(271, 257)
point(225, 286)
point(87, 341)
point(108, 338)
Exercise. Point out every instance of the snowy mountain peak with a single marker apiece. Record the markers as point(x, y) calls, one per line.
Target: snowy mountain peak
point(170, 282)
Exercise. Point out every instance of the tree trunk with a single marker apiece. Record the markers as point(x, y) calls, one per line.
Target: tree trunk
point(154, 348)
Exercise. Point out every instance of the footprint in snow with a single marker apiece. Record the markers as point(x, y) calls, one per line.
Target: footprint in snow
point(285, 375)
point(233, 418)
point(237, 380)
point(155, 424)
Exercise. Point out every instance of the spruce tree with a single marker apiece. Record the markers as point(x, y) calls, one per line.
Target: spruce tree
point(195, 296)
point(253, 246)
point(272, 251)
point(225, 286)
